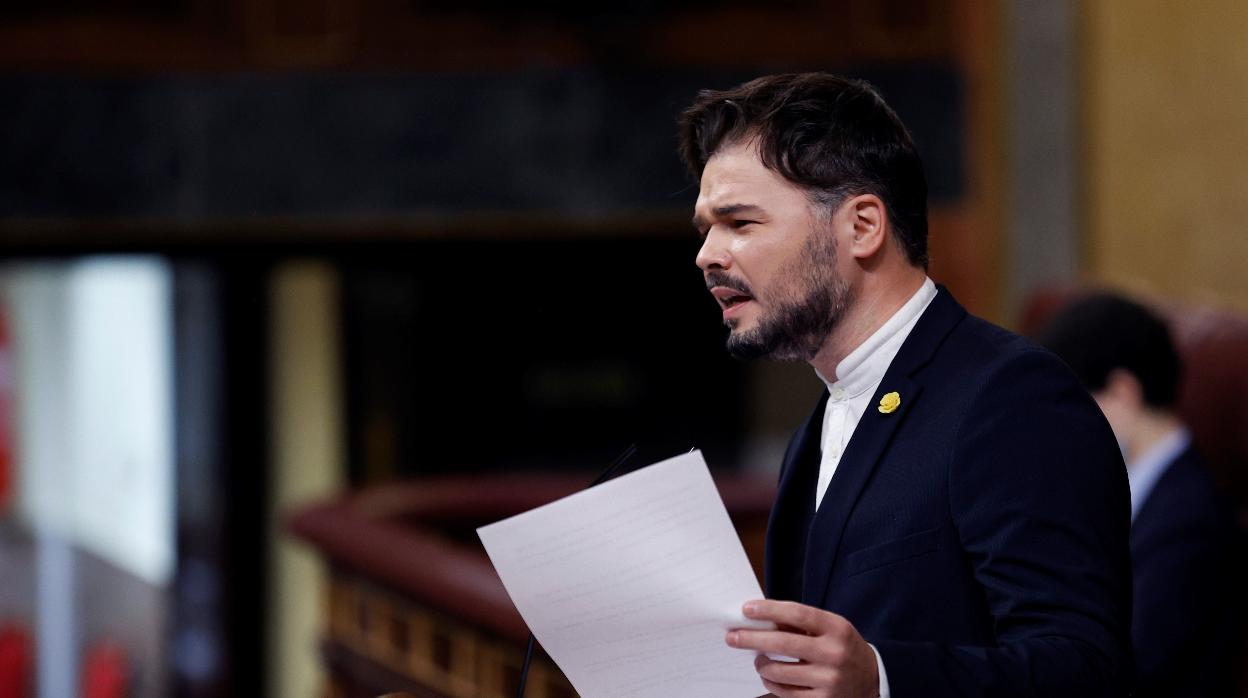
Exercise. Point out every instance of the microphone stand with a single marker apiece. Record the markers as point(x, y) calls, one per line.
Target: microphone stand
point(602, 477)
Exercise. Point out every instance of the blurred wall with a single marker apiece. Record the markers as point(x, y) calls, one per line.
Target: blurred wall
point(1166, 109)
point(198, 121)
point(307, 462)
point(1040, 96)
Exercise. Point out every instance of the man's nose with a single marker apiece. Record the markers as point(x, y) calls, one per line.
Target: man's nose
point(713, 253)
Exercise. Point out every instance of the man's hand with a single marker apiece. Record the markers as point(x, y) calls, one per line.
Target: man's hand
point(835, 662)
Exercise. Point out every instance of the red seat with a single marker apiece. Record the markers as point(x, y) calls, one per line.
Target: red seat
point(105, 673)
point(15, 663)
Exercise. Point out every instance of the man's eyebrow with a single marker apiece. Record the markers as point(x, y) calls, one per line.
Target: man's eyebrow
point(699, 223)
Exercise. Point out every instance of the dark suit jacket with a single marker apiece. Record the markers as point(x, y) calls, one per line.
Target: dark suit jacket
point(1184, 623)
point(977, 535)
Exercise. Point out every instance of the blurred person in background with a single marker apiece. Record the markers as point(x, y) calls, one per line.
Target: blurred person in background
point(1181, 534)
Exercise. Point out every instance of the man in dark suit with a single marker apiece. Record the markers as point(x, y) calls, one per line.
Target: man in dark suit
point(1181, 534)
point(952, 519)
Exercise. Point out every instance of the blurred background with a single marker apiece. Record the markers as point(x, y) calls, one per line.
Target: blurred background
point(260, 255)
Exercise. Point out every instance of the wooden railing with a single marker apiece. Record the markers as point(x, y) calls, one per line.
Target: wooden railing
point(414, 604)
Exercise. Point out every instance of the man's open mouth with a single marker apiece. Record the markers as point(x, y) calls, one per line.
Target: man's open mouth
point(730, 297)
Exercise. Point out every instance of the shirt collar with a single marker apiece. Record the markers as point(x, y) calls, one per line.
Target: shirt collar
point(865, 366)
point(1144, 472)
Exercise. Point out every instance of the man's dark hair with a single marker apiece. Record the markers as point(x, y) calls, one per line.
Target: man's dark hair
point(1103, 332)
point(832, 136)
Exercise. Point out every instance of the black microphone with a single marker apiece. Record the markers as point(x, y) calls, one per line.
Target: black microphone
point(602, 477)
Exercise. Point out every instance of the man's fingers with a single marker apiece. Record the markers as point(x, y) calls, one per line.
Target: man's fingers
point(780, 690)
point(772, 642)
point(792, 674)
point(805, 618)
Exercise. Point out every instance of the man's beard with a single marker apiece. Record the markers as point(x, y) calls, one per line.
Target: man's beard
point(804, 312)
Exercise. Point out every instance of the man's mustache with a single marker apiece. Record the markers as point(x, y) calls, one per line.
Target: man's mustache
point(719, 278)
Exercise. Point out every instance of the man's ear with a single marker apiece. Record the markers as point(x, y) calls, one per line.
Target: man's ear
point(867, 219)
point(1122, 401)
point(1123, 386)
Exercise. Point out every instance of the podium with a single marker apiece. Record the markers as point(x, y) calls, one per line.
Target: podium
point(414, 604)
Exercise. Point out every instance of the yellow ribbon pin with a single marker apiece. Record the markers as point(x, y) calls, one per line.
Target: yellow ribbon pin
point(889, 403)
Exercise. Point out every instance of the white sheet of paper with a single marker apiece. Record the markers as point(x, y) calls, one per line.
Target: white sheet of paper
point(631, 585)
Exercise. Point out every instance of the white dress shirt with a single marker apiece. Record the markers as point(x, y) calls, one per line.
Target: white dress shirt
point(858, 376)
point(1144, 472)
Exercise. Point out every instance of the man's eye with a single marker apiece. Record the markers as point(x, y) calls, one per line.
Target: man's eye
point(741, 223)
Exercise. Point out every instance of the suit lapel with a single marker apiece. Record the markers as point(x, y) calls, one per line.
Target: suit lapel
point(790, 513)
point(870, 440)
